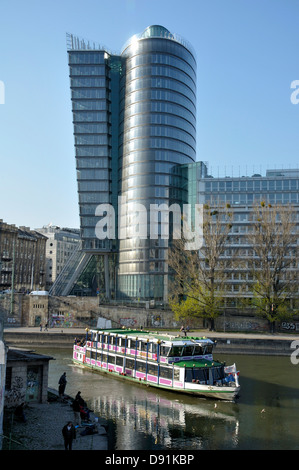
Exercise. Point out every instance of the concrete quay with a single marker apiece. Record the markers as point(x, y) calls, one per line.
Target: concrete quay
point(227, 342)
point(43, 429)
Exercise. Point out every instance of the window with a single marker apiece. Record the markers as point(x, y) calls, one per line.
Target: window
point(152, 369)
point(176, 351)
point(164, 350)
point(188, 351)
point(140, 366)
point(198, 350)
point(130, 363)
point(166, 372)
point(119, 361)
point(111, 359)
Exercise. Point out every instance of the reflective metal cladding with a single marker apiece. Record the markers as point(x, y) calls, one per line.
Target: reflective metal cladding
point(158, 133)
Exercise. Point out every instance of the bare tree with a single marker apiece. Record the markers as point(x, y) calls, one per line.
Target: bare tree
point(273, 236)
point(199, 277)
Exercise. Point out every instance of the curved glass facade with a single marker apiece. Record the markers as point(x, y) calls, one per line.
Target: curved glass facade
point(157, 133)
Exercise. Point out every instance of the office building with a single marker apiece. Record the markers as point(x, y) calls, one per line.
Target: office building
point(22, 258)
point(134, 118)
point(60, 246)
point(243, 193)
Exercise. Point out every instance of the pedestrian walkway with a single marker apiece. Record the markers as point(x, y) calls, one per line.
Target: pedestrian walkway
point(196, 332)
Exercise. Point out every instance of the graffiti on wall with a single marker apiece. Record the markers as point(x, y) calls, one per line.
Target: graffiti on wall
point(128, 322)
point(67, 320)
point(290, 326)
point(246, 325)
point(16, 394)
point(156, 320)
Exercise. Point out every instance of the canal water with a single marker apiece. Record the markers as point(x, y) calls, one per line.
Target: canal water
point(265, 417)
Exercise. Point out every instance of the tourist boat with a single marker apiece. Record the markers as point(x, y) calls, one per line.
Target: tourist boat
point(174, 363)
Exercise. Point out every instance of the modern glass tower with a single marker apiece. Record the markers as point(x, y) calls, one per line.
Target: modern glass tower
point(158, 113)
point(134, 117)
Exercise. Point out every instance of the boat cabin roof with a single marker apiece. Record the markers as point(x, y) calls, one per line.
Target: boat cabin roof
point(167, 339)
point(198, 363)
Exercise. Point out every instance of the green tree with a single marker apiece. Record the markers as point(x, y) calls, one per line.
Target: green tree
point(199, 277)
point(274, 262)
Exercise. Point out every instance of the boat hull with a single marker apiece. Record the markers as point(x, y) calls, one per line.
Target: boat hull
point(228, 393)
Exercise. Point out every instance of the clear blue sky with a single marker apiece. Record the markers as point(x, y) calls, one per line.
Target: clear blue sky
point(247, 57)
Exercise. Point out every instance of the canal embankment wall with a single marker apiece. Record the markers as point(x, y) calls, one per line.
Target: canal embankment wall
point(227, 343)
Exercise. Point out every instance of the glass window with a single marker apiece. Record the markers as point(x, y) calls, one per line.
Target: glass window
point(91, 116)
point(176, 351)
point(198, 350)
point(188, 351)
point(164, 350)
point(86, 57)
point(87, 70)
point(90, 105)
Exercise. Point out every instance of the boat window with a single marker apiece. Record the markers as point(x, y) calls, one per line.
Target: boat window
point(198, 374)
point(132, 343)
point(218, 372)
point(112, 339)
point(143, 345)
point(166, 372)
point(209, 349)
point(111, 359)
point(122, 342)
point(176, 351)
point(198, 350)
point(152, 369)
point(153, 348)
point(188, 350)
point(164, 350)
point(130, 363)
point(119, 360)
point(141, 366)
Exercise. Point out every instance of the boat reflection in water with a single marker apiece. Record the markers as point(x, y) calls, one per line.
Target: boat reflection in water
point(146, 419)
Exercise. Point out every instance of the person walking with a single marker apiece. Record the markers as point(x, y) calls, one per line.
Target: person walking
point(69, 434)
point(183, 330)
point(62, 384)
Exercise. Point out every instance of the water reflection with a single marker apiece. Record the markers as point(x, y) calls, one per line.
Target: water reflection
point(264, 417)
point(169, 422)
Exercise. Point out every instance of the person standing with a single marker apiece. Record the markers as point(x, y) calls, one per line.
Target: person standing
point(76, 409)
point(62, 384)
point(69, 434)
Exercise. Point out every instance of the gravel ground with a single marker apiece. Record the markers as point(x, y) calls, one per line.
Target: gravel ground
point(43, 429)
